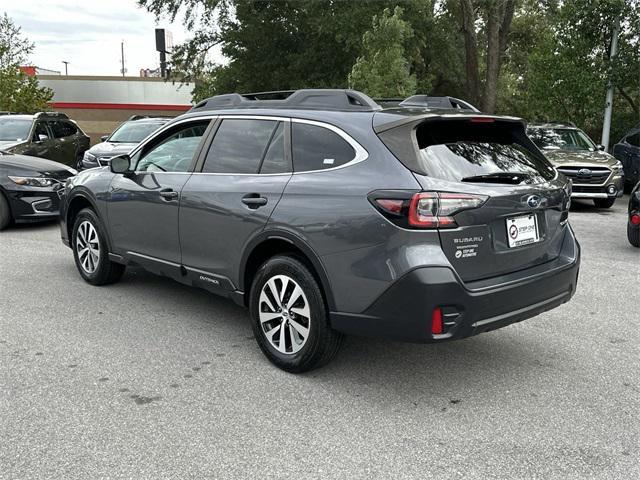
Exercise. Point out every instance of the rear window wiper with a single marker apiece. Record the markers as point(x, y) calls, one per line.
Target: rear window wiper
point(512, 178)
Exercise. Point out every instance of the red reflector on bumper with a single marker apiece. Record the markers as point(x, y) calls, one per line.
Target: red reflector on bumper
point(635, 219)
point(436, 321)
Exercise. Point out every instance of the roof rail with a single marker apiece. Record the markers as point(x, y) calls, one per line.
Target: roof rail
point(51, 114)
point(308, 99)
point(387, 102)
point(445, 103)
point(566, 123)
point(143, 117)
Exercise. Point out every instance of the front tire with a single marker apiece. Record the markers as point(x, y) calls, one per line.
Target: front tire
point(90, 250)
point(633, 234)
point(5, 212)
point(289, 317)
point(604, 202)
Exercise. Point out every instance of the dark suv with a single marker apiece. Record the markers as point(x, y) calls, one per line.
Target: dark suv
point(325, 215)
point(627, 150)
point(50, 135)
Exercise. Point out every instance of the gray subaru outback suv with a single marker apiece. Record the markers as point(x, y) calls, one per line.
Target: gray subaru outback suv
point(327, 215)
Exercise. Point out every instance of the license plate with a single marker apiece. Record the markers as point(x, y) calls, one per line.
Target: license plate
point(522, 230)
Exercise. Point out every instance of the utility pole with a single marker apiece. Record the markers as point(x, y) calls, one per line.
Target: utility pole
point(123, 70)
point(606, 125)
point(66, 72)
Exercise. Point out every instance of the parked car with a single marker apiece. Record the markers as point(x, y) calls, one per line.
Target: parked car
point(29, 188)
point(326, 215)
point(122, 140)
point(627, 151)
point(50, 135)
point(633, 226)
point(595, 174)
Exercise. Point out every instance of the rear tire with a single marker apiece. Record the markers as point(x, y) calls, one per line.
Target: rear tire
point(90, 250)
point(5, 212)
point(604, 202)
point(289, 317)
point(633, 234)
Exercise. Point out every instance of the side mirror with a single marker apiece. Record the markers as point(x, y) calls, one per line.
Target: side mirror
point(103, 138)
point(42, 138)
point(600, 147)
point(120, 164)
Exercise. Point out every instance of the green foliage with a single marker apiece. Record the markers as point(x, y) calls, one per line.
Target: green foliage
point(383, 70)
point(18, 92)
point(554, 65)
point(564, 73)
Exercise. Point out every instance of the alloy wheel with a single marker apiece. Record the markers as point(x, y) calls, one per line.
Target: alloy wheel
point(88, 246)
point(284, 314)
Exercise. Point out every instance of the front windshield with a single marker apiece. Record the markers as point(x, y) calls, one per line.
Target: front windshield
point(560, 139)
point(134, 132)
point(14, 129)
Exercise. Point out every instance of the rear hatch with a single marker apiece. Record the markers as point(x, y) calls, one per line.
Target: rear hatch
point(521, 205)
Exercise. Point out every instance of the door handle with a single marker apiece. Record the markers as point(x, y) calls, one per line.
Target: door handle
point(254, 200)
point(168, 194)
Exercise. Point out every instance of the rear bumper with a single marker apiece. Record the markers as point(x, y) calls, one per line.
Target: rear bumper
point(404, 311)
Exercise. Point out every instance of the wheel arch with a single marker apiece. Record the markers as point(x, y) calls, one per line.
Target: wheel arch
point(79, 201)
point(269, 244)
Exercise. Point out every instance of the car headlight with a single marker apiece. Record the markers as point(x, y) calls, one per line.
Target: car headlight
point(89, 156)
point(34, 181)
point(617, 167)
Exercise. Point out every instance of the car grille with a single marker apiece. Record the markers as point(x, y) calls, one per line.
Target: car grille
point(586, 175)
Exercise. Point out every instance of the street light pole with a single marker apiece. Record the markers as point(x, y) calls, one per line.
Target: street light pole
point(606, 125)
point(66, 72)
point(122, 57)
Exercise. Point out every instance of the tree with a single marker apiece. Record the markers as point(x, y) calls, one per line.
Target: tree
point(383, 70)
point(496, 16)
point(565, 73)
point(281, 45)
point(18, 91)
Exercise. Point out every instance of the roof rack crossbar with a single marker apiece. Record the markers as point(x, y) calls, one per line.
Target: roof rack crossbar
point(447, 103)
point(310, 99)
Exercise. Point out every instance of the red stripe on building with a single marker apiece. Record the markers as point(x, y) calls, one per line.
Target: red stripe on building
point(119, 106)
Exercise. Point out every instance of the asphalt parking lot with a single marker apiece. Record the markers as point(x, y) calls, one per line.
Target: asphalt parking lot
point(151, 379)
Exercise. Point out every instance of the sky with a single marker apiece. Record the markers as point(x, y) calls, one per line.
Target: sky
point(87, 33)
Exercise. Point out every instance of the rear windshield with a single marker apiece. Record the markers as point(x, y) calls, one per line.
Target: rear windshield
point(470, 149)
point(465, 161)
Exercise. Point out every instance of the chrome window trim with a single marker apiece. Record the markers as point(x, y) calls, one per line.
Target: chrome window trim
point(361, 153)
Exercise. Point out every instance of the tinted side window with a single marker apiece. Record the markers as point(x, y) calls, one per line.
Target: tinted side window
point(634, 139)
point(40, 129)
point(69, 129)
point(174, 151)
point(318, 148)
point(57, 128)
point(239, 146)
point(274, 160)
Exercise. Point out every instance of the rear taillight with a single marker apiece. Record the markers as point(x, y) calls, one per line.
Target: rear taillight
point(424, 209)
point(634, 219)
point(436, 209)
